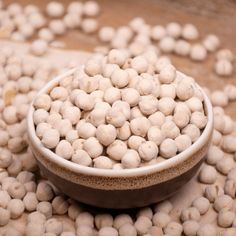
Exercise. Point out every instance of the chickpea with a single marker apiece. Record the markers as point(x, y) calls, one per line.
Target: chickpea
point(142, 224)
point(16, 208)
point(161, 219)
point(93, 147)
point(208, 175)
point(130, 159)
point(202, 204)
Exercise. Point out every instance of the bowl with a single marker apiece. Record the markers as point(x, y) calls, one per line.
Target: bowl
point(120, 189)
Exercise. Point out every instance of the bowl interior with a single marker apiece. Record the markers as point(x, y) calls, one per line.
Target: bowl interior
point(50, 155)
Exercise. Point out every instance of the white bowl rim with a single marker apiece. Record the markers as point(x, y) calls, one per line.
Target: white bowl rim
point(140, 171)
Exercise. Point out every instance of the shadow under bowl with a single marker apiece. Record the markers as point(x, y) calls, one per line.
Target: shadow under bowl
point(120, 189)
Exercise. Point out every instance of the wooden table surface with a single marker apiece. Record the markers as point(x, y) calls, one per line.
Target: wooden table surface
point(216, 17)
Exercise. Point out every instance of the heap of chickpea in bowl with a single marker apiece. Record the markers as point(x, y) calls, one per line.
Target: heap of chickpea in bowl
point(121, 112)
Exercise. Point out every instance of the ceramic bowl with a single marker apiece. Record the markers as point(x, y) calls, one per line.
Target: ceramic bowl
point(119, 189)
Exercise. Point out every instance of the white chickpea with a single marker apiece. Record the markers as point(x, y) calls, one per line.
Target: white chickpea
point(37, 20)
point(57, 27)
point(225, 54)
point(107, 231)
point(43, 101)
point(183, 142)
point(124, 132)
point(106, 34)
point(214, 155)
point(115, 117)
point(111, 95)
point(166, 105)
point(85, 130)
point(225, 166)
point(89, 26)
point(17, 190)
point(190, 227)
point(127, 229)
point(45, 208)
point(116, 150)
point(190, 32)
point(5, 158)
point(34, 228)
point(131, 159)
point(225, 218)
point(40, 116)
point(223, 67)
point(211, 42)
point(142, 225)
point(36, 217)
point(50, 138)
point(103, 220)
point(55, 9)
point(131, 96)
point(174, 29)
point(190, 213)
point(208, 175)
point(106, 134)
point(182, 47)
point(9, 115)
point(30, 201)
point(170, 130)
point(145, 211)
point(64, 149)
point(46, 34)
point(148, 104)
point(198, 52)
point(198, 119)
point(120, 78)
point(59, 205)
point(184, 90)
point(181, 118)
point(16, 208)
point(194, 104)
point(173, 228)
point(140, 64)
point(158, 32)
point(213, 191)
point(148, 151)
point(84, 218)
point(93, 147)
point(116, 57)
point(207, 230)
point(84, 230)
point(167, 90)
point(4, 198)
point(144, 86)
point(161, 219)
point(91, 68)
point(168, 148)
point(192, 131)
point(223, 202)
point(122, 107)
point(82, 158)
point(167, 44)
point(139, 126)
point(53, 226)
point(102, 162)
point(44, 191)
point(155, 135)
point(4, 216)
point(157, 119)
point(229, 143)
point(91, 8)
point(39, 47)
point(72, 135)
point(167, 74)
point(202, 204)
